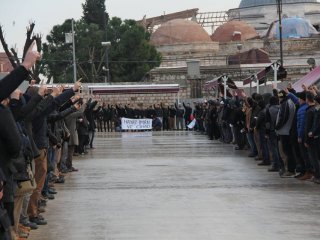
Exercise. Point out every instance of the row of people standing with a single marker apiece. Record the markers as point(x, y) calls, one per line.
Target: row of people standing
point(280, 129)
point(173, 117)
point(39, 132)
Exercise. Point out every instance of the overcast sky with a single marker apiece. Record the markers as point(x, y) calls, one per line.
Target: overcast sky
point(15, 14)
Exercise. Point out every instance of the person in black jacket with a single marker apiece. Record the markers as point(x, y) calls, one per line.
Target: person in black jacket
point(260, 127)
point(89, 115)
point(10, 144)
point(179, 116)
point(172, 115)
point(40, 133)
point(165, 112)
point(83, 133)
point(311, 139)
point(187, 115)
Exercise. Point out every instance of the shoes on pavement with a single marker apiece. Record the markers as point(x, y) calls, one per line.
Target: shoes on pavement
point(31, 225)
point(72, 169)
point(60, 180)
point(48, 196)
point(288, 175)
point(38, 221)
point(252, 155)
point(316, 180)
point(52, 191)
point(264, 164)
point(23, 233)
point(273, 169)
point(64, 170)
point(24, 228)
point(299, 175)
point(306, 176)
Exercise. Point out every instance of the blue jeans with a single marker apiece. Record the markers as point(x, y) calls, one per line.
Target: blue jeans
point(51, 160)
point(252, 144)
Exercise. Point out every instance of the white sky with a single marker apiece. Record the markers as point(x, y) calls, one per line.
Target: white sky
point(16, 14)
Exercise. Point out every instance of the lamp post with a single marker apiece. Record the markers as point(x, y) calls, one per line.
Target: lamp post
point(239, 47)
point(106, 68)
point(106, 44)
point(69, 38)
point(279, 8)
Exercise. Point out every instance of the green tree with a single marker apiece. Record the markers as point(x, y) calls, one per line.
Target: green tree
point(89, 53)
point(94, 11)
point(130, 56)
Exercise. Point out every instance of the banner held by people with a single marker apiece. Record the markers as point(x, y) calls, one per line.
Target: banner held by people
point(136, 124)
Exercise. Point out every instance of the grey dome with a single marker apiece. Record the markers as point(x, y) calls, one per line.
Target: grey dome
point(253, 3)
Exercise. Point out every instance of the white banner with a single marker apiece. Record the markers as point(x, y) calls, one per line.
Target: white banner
point(136, 124)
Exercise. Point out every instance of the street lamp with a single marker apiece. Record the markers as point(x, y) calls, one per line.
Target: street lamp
point(106, 68)
point(279, 8)
point(69, 38)
point(239, 47)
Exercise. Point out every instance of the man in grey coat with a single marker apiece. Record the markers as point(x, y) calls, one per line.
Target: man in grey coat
point(284, 123)
point(71, 123)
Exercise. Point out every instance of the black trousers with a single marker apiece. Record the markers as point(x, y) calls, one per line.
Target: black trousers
point(313, 153)
point(82, 140)
point(240, 138)
point(70, 156)
point(100, 125)
point(165, 123)
point(287, 148)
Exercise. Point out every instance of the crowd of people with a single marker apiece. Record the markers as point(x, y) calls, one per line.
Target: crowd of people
point(280, 129)
point(173, 117)
point(40, 132)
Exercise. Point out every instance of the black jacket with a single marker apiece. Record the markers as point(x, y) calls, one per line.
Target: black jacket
point(179, 112)
point(188, 112)
point(40, 127)
point(10, 82)
point(310, 117)
point(10, 142)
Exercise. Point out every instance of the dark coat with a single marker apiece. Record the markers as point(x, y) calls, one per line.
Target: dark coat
point(10, 82)
point(10, 146)
point(40, 127)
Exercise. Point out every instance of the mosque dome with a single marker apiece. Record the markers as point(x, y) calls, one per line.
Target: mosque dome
point(227, 31)
point(294, 27)
point(254, 3)
point(179, 31)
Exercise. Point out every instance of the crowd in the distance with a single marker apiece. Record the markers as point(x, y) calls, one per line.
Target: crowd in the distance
point(40, 131)
point(280, 129)
point(173, 117)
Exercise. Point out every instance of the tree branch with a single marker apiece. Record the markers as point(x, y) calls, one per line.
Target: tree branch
point(6, 49)
point(28, 39)
point(16, 58)
point(83, 72)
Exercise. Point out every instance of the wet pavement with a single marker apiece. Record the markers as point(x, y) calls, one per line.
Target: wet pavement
point(177, 186)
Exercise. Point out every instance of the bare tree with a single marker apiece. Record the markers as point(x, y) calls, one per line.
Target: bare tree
point(13, 56)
